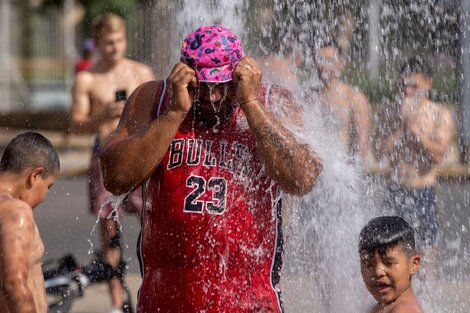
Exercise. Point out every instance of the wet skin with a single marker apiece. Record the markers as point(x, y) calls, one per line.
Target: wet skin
point(415, 135)
point(21, 247)
point(346, 107)
point(387, 275)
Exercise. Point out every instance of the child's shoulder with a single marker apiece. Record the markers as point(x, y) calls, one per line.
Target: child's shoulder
point(13, 208)
point(409, 306)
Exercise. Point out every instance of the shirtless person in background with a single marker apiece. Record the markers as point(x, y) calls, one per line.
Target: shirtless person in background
point(28, 168)
point(346, 108)
point(414, 135)
point(98, 96)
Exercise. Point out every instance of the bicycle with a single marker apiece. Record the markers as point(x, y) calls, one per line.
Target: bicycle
point(66, 281)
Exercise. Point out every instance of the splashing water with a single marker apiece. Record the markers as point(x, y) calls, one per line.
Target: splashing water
point(321, 270)
point(115, 202)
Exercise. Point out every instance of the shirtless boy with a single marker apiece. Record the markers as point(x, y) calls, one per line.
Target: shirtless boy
point(414, 136)
point(28, 168)
point(388, 262)
point(346, 108)
point(98, 96)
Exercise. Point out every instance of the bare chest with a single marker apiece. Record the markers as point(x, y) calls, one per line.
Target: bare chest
point(105, 86)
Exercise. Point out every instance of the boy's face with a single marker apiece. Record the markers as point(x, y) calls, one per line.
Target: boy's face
point(39, 190)
point(387, 275)
point(415, 84)
point(328, 63)
point(112, 45)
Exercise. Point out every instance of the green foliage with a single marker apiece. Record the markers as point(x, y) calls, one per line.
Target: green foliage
point(124, 8)
point(380, 90)
point(446, 85)
point(386, 87)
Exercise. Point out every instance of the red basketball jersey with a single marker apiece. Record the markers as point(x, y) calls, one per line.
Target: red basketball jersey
point(210, 239)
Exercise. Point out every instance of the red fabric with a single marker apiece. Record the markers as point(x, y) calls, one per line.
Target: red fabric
point(83, 65)
point(210, 260)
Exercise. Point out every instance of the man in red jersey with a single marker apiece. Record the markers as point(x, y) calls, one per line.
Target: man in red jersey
point(215, 160)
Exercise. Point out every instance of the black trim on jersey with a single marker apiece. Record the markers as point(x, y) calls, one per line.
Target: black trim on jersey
point(160, 98)
point(279, 250)
point(144, 186)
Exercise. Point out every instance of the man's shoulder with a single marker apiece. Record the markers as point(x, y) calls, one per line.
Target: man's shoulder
point(85, 77)
point(442, 110)
point(148, 90)
point(137, 66)
point(351, 91)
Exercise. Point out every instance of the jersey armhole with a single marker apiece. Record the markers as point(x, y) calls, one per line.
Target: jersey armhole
point(160, 96)
point(265, 95)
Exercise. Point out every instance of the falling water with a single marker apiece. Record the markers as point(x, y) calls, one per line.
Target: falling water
point(321, 267)
point(115, 202)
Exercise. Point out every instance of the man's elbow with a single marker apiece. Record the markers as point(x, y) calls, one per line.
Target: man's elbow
point(307, 180)
point(114, 183)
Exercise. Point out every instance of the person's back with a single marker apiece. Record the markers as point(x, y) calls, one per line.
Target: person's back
point(388, 262)
point(28, 169)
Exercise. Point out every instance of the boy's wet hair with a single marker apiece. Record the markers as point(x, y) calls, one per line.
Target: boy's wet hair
point(384, 232)
point(28, 150)
point(414, 65)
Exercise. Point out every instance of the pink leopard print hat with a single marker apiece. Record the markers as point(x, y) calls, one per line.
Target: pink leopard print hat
point(213, 51)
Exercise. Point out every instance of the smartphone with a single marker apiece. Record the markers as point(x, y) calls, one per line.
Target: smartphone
point(121, 95)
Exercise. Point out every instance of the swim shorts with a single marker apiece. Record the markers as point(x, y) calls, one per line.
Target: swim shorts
point(98, 194)
point(418, 208)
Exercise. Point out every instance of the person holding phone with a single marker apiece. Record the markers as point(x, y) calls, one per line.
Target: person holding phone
point(98, 97)
point(211, 142)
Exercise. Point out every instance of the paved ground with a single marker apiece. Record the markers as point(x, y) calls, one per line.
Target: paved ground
point(67, 227)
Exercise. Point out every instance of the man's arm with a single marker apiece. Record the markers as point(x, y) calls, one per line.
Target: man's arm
point(81, 121)
point(292, 164)
point(16, 232)
point(138, 144)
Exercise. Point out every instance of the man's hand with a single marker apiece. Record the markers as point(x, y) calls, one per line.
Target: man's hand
point(247, 77)
point(181, 79)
